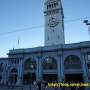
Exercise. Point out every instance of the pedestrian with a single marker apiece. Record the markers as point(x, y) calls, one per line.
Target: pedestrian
point(42, 85)
point(63, 87)
point(77, 87)
point(39, 85)
point(55, 85)
point(55, 88)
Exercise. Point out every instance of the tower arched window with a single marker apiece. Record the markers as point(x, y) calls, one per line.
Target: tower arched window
point(47, 7)
point(56, 4)
point(52, 5)
point(48, 38)
point(58, 36)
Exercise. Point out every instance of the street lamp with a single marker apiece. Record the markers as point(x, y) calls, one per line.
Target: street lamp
point(86, 21)
point(30, 80)
point(88, 24)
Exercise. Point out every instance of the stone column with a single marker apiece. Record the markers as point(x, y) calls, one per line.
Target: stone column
point(59, 69)
point(85, 75)
point(40, 67)
point(19, 80)
point(5, 75)
point(62, 67)
point(37, 69)
point(20, 74)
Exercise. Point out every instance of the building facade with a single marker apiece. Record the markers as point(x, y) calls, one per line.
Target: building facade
point(55, 61)
point(4, 64)
point(50, 63)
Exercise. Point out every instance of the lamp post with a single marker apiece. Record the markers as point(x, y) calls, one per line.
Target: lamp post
point(88, 24)
point(30, 80)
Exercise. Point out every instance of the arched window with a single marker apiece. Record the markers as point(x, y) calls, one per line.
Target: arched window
point(30, 64)
point(49, 63)
point(72, 62)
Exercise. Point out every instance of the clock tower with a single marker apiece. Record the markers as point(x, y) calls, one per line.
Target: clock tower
point(54, 24)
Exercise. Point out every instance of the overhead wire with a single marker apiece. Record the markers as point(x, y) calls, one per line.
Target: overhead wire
point(21, 30)
point(39, 26)
point(76, 19)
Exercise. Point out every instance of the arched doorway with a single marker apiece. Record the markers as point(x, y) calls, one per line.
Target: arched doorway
point(49, 68)
point(29, 71)
point(73, 69)
point(14, 75)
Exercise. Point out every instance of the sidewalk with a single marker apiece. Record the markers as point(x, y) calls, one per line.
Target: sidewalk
point(19, 88)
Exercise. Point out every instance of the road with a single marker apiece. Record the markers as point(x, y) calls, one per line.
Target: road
point(24, 88)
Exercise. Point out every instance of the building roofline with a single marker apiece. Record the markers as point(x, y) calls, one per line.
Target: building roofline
point(59, 47)
point(3, 58)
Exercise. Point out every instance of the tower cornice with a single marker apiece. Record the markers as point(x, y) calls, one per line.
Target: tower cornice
point(51, 1)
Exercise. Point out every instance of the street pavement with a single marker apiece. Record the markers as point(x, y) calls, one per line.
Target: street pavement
point(24, 88)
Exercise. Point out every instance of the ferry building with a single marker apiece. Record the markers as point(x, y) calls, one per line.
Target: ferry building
point(56, 61)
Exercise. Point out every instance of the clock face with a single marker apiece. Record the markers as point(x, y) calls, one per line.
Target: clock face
point(53, 21)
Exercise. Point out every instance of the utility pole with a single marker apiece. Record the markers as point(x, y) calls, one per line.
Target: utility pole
point(88, 24)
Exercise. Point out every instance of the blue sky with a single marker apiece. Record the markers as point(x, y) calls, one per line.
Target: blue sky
point(22, 14)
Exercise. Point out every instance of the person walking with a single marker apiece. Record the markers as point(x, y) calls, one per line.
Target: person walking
point(39, 85)
point(42, 85)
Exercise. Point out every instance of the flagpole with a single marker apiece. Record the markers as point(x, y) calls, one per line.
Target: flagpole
point(18, 43)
